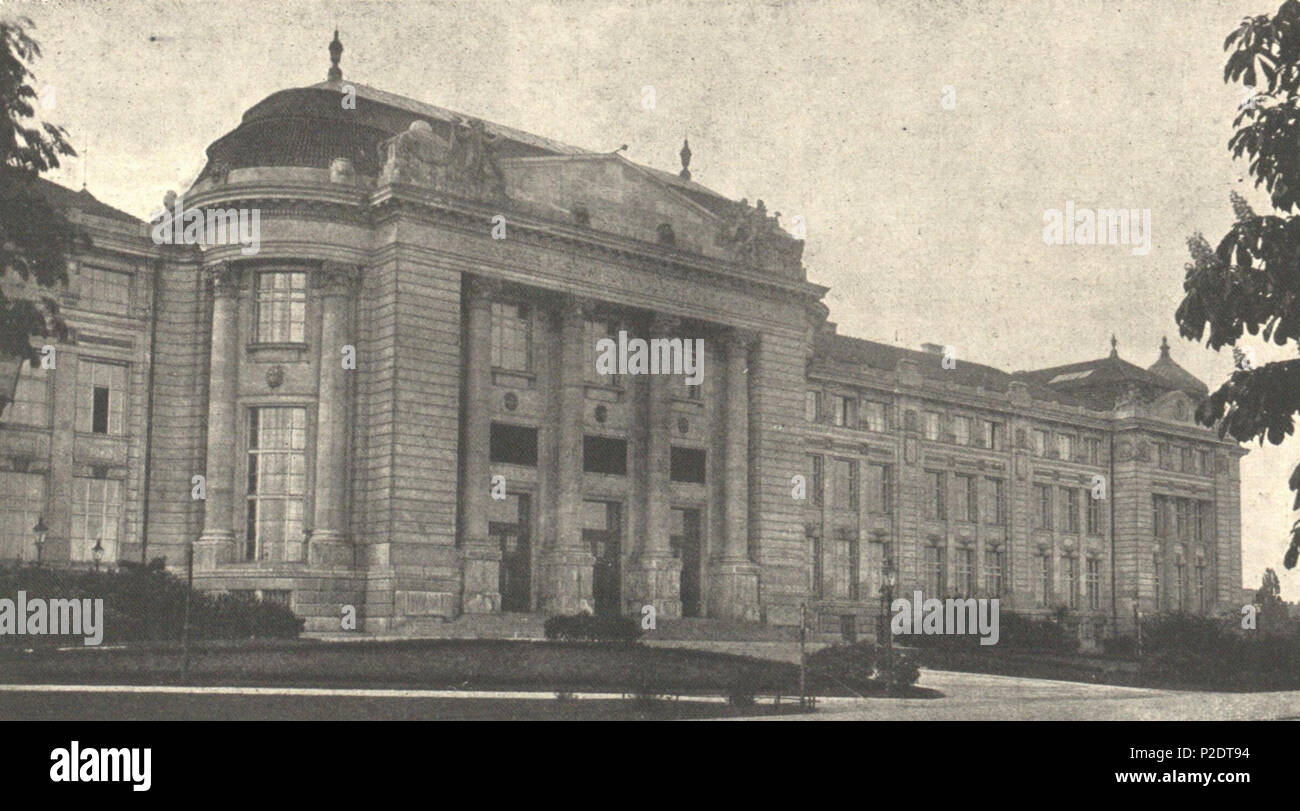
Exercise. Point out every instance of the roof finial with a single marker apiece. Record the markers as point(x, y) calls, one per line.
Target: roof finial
point(1164, 346)
point(336, 53)
point(685, 173)
point(1114, 346)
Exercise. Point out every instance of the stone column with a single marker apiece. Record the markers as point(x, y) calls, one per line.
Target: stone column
point(480, 560)
point(328, 545)
point(734, 589)
point(654, 578)
point(567, 570)
point(216, 545)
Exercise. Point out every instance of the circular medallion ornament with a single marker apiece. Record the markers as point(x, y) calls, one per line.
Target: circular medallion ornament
point(683, 425)
point(275, 376)
point(602, 414)
point(511, 401)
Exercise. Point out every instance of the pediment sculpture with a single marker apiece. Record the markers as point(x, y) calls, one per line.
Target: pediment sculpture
point(465, 164)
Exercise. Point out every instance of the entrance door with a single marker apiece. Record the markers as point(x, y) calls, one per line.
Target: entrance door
point(602, 532)
point(685, 540)
point(511, 530)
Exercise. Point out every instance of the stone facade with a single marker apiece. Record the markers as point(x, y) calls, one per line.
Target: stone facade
point(393, 405)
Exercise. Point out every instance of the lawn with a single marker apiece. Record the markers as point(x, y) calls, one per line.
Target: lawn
point(456, 664)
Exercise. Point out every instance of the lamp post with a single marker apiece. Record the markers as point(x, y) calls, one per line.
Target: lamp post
point(889, 580)
point(40, 529)
point(98, 552)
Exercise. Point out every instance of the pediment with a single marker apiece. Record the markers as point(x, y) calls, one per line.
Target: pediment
point(618, 197)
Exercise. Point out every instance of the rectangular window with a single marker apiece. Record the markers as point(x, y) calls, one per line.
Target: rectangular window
point(22, 502)
point(31, 404)
point(1040, 442)
point(1155, 580)
point(812, 406)
point(1043, 506)
point(1044, 579)
point(687, 465)
point(993, 572)
point(1182, 519)
point(1094, 515)
point(841, 411)
point(96, 518)
point(995, 504)
point(815, 478)
point(1092, 449)
point(604, 455)
point(1180, 572)
point(1069, 510)
point(1202, 602)
point(844, 484)
point(281, 303)
point(1070, 578)
point(879, 488)
point(1065, 446)
point(1092, 578)
point(961, 430)
point(1204, 521)
point(965, 572)
point(1162, 509)
point(513, 445)
point(992, 435)
point(101, 390)
point(277, 480)
point(1185, 460)
point(931, 425)
point(512, 337)
point(875, 416)
point(105, 291)
point(1202, 462)
point(965, 498)
point(936, 504)
point(1166, 457)
point(936, 575)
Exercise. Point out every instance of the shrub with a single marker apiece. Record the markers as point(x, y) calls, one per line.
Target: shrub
point(585, 627)
point(898, 672)
point(145, 603)
point(841, 666)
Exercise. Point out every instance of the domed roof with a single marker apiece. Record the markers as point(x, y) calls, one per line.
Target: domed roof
point(1175, 375)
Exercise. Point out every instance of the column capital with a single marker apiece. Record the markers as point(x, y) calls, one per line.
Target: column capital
point(741, 339)
point(224, 278)
point(335, 278)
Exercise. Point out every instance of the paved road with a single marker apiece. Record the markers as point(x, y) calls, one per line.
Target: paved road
point(966, 696)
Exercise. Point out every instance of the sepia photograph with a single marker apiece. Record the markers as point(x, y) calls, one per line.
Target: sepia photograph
point(649, 361)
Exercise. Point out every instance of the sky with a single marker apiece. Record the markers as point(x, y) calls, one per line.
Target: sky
point(919, 142)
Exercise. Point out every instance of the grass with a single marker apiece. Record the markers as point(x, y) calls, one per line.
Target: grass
point(460, 664)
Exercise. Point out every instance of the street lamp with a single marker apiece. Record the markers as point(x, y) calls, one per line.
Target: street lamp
point(98, 552)
point(40, 529)
point(890, 579)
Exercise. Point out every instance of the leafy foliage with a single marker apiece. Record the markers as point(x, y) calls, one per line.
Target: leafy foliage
point(35, 237)
point(147, 604)
point(587, 628)
point(1250, 283)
